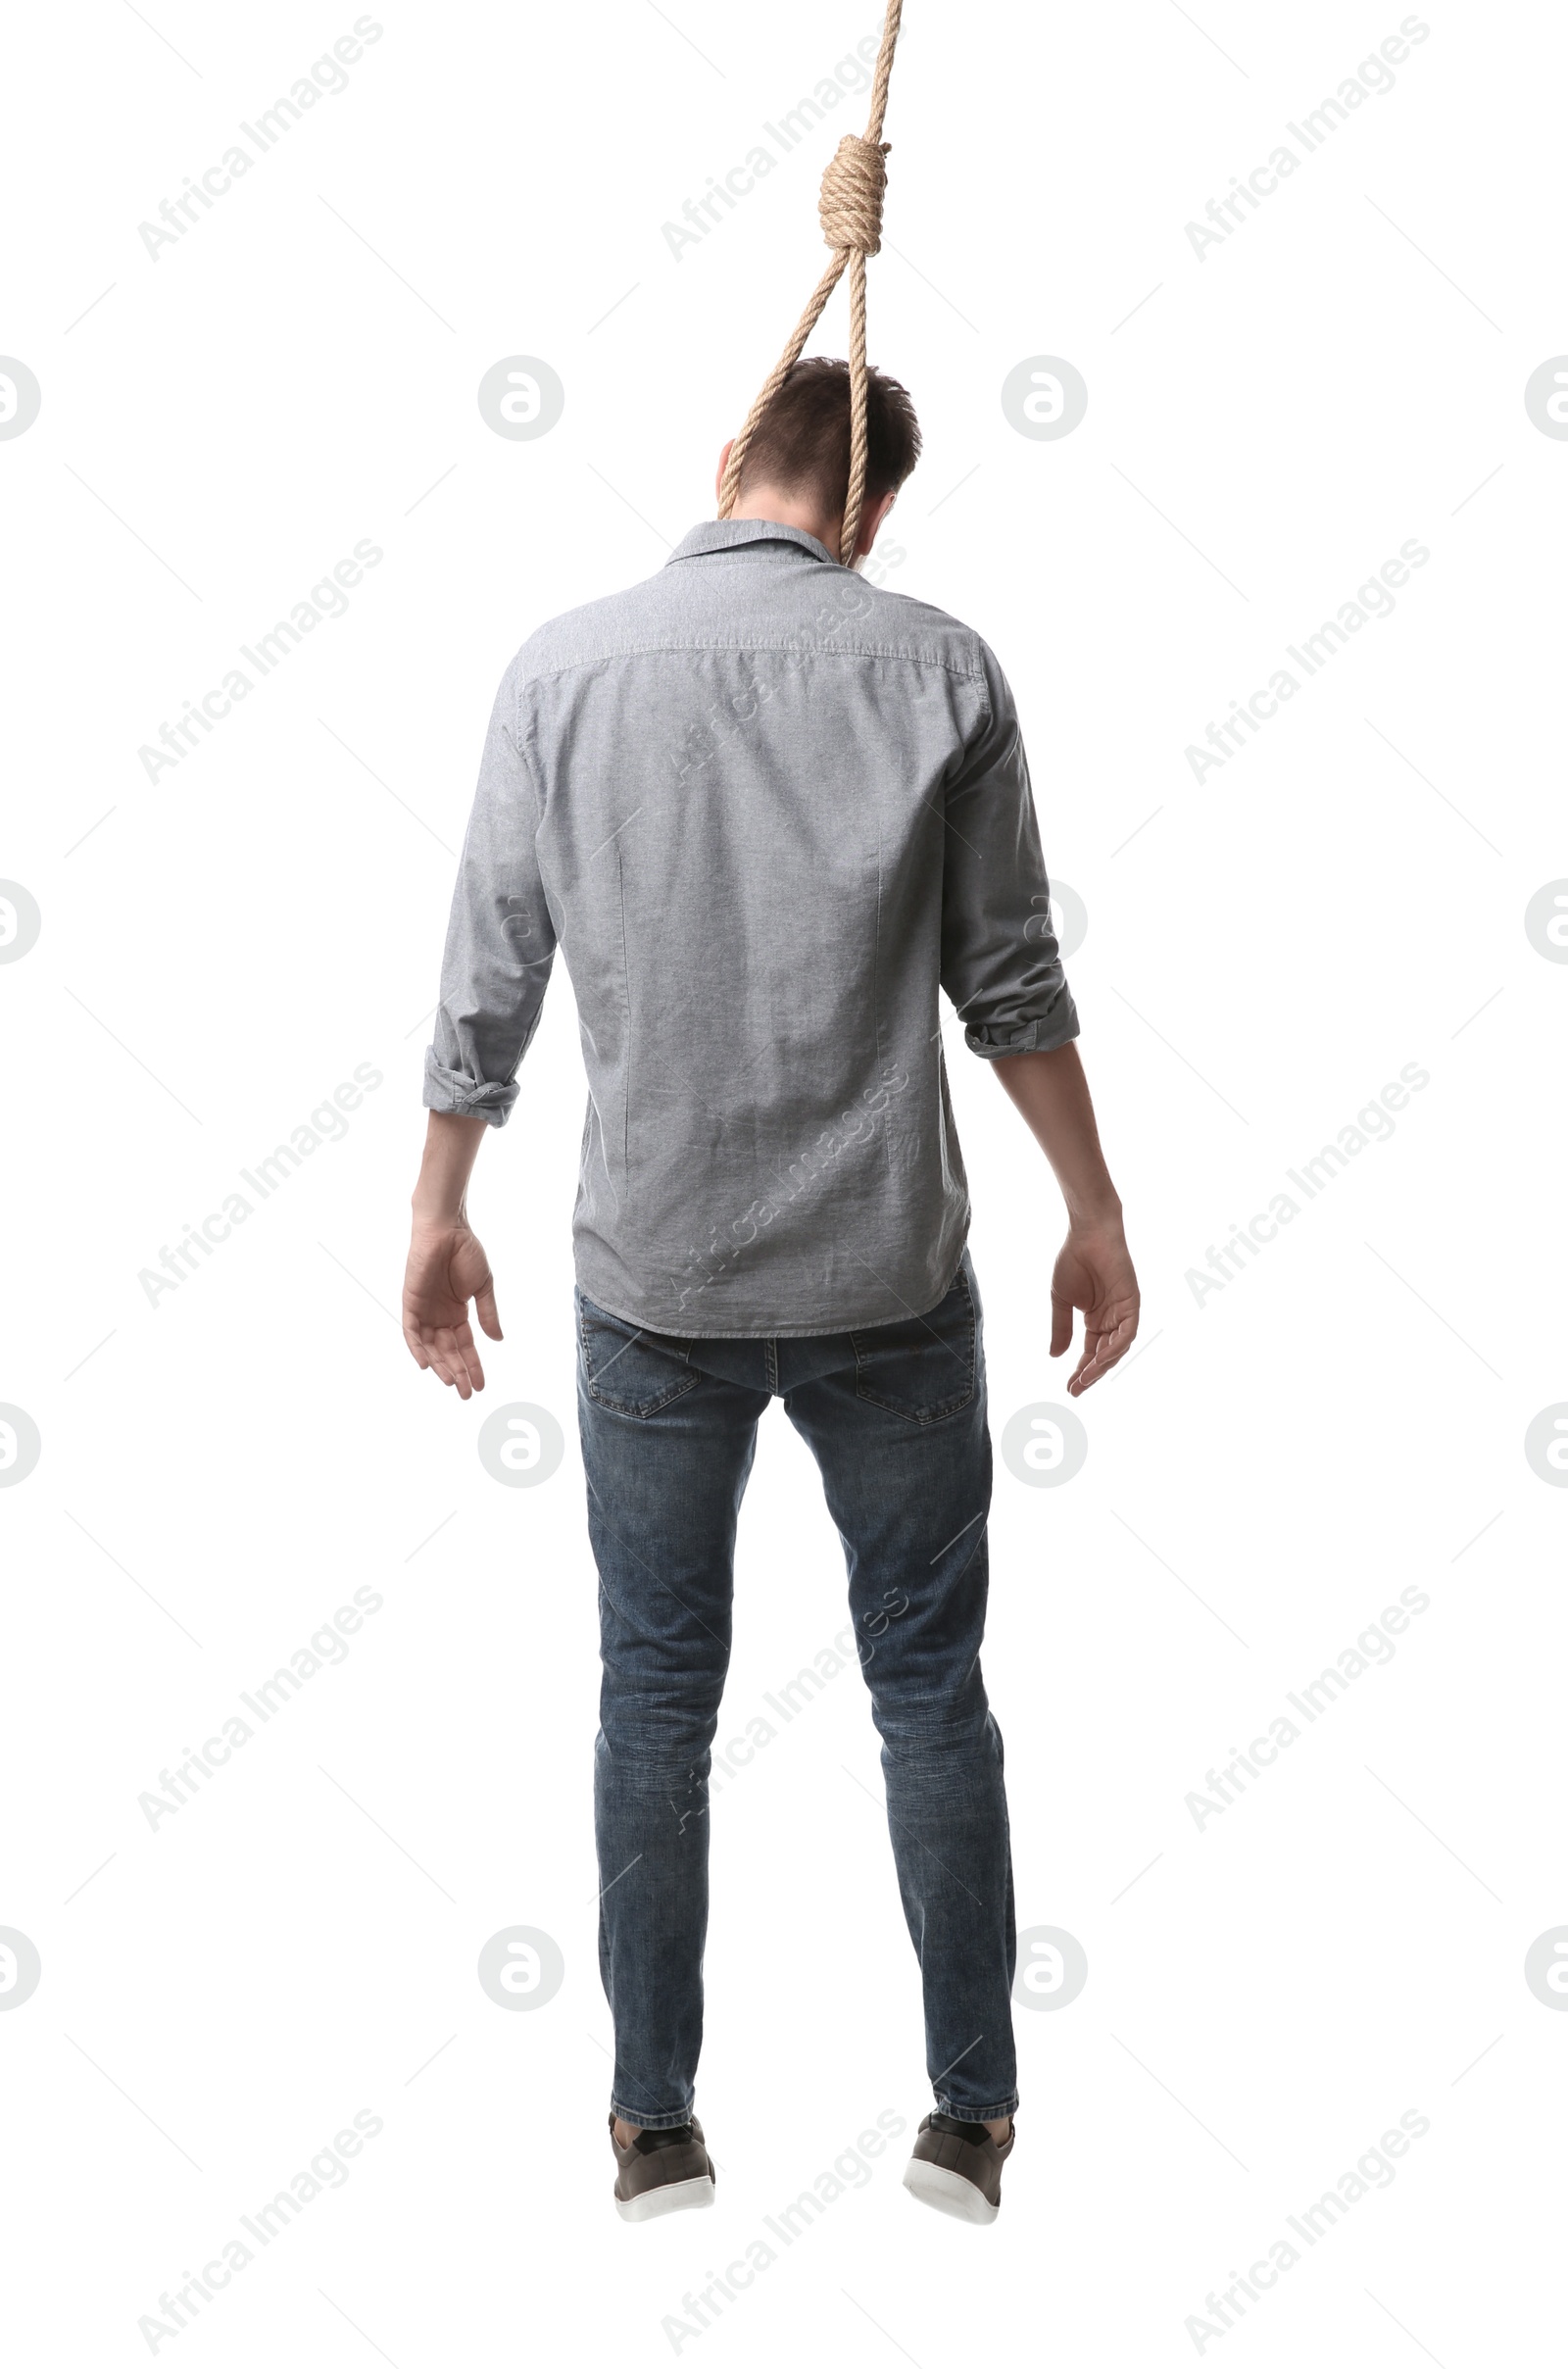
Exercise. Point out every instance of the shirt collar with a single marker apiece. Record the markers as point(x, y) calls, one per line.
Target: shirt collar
point(728, 534)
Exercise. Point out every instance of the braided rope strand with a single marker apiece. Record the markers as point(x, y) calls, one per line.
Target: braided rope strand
point(856, 492)
point(850, 209)
point(884, 69)
point(776, 379)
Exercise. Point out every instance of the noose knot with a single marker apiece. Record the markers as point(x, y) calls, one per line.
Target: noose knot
point(850, 204)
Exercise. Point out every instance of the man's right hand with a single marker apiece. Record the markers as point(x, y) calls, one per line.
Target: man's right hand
point(447, 1268)
point(1094, 1272)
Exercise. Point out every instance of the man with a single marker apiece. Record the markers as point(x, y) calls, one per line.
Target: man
point(767, 809)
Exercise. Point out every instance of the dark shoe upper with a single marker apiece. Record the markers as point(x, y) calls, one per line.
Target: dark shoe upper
point(660, 2160)
point(965, 2147)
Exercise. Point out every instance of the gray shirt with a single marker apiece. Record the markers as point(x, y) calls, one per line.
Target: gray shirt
point(766, 809)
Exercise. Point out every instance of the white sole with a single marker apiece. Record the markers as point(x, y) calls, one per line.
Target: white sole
point(948, 2192)
point(680, 2195)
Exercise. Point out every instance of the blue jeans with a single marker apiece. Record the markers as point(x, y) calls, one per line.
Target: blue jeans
point(896, 1419)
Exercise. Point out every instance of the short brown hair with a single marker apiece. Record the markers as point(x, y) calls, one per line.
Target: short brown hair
point(802, 442)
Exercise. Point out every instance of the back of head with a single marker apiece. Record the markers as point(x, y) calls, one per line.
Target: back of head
point(801, 445)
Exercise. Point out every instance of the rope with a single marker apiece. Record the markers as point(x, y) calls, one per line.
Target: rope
point(850, 209)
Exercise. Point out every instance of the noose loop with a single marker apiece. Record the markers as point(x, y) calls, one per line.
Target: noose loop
point(850, 207)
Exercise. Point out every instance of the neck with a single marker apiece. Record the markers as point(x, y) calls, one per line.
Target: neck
point(789, 509)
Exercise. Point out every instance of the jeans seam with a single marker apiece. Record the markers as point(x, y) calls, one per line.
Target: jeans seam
point(649, 1407)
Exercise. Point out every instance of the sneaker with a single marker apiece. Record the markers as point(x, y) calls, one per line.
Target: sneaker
point(956, 2167)
point(661, 2171)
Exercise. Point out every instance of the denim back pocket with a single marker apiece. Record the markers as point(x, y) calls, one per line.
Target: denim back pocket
point(628, 1370)
point(923, 1368)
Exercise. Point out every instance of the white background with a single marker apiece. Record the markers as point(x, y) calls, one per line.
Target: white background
point(220, 946)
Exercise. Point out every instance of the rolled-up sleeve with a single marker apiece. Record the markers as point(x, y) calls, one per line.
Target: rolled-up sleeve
point(1000, 964)
point(501, 940)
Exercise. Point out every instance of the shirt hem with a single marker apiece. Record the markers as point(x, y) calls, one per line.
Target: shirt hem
point(680, 1331)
